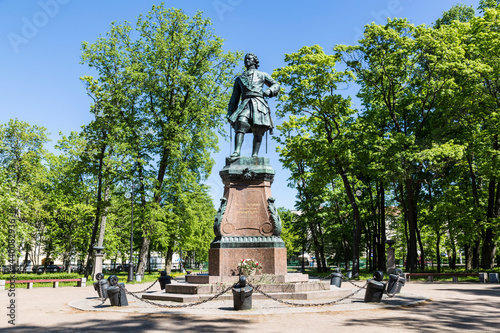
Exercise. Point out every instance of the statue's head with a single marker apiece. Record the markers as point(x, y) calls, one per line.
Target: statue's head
point(251, 59)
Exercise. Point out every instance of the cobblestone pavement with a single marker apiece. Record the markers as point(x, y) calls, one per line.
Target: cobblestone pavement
point(471, 307)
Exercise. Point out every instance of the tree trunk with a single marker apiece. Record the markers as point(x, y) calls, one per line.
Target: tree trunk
point(168, 260)
point(489, 239)
point(324, 267)
point(104, 216)
point(368, 245)
point(345, 243)
point(453, 261)
point(157, 198)
point(468, 257)
point(438, 252)
point(357, 225)
point(489, 250)
point(476, 254)
point(405, 222)
point(412, 226)
point(381, 246)
point(26, 249)
point(70, 247)
point(149, 260)
point(47, 257)
point(143, 256)
point(422, 253)
point(97, 213)
point(316, 244)
point(347, 252)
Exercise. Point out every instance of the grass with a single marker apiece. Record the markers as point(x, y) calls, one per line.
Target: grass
point(122, 277)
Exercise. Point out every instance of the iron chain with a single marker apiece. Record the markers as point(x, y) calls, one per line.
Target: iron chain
point(143, 291)
point(178, 306)
point(354, 284)
point(305, 304)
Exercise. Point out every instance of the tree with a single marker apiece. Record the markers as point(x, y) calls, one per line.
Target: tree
point(319, 120)
point(21, 157)
point(165, 93)
point(404, 73)
point(480, 120)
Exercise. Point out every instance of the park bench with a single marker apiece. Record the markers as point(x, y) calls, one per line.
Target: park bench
point(431, 276)
point(81, 282)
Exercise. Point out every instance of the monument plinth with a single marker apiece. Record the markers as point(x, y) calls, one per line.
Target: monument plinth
point(247, 225)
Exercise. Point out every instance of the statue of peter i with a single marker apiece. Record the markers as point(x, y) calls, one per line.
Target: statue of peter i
point(253, 113)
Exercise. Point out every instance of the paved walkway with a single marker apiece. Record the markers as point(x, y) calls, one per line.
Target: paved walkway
point(451, 307)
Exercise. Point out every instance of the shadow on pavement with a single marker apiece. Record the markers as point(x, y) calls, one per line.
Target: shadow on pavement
point(453, 311)
point(149, 323)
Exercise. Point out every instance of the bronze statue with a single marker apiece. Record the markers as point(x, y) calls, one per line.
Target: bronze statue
point(253, 114)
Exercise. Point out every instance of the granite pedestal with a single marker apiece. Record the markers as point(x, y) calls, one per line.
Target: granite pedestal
point(247, 225)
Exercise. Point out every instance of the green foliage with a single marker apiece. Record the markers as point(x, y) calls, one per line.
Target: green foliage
point(290, 234)
point(315, 142)
point(458, 12)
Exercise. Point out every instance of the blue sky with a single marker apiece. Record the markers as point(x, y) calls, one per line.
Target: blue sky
point(40, 43)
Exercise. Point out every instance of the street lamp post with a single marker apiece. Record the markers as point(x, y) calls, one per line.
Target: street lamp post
point(130, 263)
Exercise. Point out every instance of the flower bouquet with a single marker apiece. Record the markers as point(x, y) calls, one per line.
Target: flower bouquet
point(248, 267)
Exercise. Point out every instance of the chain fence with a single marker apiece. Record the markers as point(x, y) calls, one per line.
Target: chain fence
point(143, 291)
point(177, 306)
point(352, 282)
point(256, 288)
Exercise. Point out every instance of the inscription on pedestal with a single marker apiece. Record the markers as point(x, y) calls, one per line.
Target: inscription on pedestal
point(247, 213)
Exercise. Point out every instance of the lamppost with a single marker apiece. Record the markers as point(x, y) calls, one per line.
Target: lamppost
point(131, 195)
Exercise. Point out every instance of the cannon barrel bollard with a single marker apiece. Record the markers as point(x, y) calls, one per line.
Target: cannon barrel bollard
point(242, 295)
point(375, 288)
point(336, 278)
point(396, 282)
point(402, 280)
point(116, 292)
point(378, 276)
point(164, 279)
point(99, 277)
point(374, 291)
point(101, 285)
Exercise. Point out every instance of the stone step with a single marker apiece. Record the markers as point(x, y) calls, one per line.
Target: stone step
point(193, 288)
point(286, 278)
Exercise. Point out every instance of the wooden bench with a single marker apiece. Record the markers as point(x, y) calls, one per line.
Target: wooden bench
point(430, 276)
point(81, 282)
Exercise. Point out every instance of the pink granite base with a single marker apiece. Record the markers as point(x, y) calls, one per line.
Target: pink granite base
point(224, 262)
point(211, 279)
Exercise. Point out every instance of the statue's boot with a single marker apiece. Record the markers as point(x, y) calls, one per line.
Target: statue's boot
point(257, 140)
point(238, 141)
